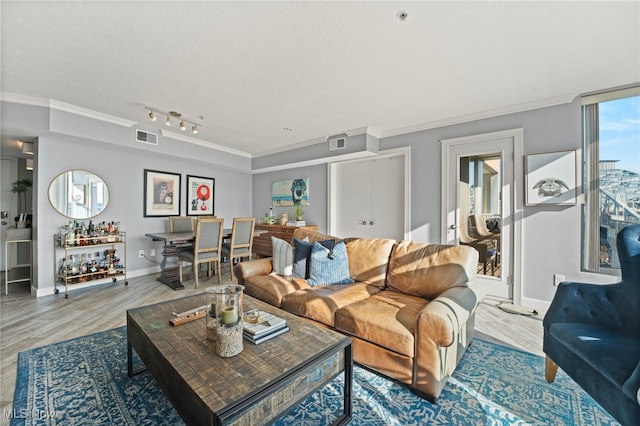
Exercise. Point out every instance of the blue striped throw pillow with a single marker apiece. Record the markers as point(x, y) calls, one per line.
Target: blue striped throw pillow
point(327, 267)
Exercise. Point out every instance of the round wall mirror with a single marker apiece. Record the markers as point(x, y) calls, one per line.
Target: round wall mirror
point(78, 194)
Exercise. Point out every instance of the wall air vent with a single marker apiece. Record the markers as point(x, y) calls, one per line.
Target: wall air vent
point(337, 142)
point(146, 137)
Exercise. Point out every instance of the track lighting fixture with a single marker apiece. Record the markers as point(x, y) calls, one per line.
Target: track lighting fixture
point(29, 165)
point(170, 115)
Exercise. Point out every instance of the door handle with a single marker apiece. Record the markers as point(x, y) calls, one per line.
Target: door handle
point(452, 227)
point(363, 223)
point(372, 223)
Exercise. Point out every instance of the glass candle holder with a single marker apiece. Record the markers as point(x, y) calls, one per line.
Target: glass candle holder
point(211, 318)
point(228, 307)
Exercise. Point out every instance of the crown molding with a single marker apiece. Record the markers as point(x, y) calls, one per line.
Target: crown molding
point(314, 141)
point(65, 107)
point(210, 145)
point(23, 99)
point(73, 109)
point(543, 103)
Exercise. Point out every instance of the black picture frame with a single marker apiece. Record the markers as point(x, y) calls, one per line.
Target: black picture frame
point(200, 196)
point(161, 193)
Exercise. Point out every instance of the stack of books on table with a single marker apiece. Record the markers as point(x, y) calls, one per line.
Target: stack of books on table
point(266, 326)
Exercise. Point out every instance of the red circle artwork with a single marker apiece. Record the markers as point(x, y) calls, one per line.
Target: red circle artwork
point(203, 192)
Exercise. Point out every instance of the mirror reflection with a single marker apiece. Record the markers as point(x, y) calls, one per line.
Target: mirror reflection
point(78, 194)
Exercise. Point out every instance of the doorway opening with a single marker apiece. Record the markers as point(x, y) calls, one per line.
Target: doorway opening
point(480, 206)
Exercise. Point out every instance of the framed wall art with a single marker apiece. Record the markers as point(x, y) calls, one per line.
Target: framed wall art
point(200, 195)
point(291, 192)
point(161, 193)
point(550, 178)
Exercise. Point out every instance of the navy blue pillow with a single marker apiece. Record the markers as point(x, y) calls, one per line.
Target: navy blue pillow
point(301, 256)
point(329, 267)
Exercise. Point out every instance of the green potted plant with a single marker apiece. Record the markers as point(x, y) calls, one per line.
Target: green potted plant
point(20, 187)
point(299, 213)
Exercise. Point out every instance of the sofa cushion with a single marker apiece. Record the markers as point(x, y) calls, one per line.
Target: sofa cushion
point(387, 318)
point(272, 288)
point(613, 352)
point(426, 270)
point(282, 256)
point(302, 253)
point(313, 236)
point(368, 259)
point(321, 303)
point(329, 267)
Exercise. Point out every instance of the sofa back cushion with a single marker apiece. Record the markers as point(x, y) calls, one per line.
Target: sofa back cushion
point(313, 236)
point(426, 270)
point(369, 259)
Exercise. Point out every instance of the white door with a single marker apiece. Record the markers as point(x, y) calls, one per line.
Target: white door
point(368, 198)
point(463, 195)
point(8, 201)
point(386, 198)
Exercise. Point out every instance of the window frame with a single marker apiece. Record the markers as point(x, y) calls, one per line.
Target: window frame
point(590, 246)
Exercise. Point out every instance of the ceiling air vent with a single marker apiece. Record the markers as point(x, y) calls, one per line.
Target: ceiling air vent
point(337, 142)
point(146, 137)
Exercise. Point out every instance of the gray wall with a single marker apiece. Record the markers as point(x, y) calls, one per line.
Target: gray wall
point(314, 214)
point(123, 171)
point(111, 152)
point(551, 236)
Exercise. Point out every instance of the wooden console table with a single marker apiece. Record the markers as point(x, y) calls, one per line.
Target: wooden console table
point(262, 243)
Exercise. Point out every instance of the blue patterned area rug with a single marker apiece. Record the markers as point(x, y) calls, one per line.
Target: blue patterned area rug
point(84, 381)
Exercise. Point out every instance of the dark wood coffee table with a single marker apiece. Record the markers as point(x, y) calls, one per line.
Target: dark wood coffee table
point(254, 387)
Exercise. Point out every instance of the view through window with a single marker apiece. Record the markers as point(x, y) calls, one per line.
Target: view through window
point(613, 196)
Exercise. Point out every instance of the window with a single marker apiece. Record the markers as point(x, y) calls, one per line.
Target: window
point(611, 131)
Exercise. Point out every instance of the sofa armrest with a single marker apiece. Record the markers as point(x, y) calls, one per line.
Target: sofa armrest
point(603, 304)
point(444, 317)
point(262, 266)
point(444, 329)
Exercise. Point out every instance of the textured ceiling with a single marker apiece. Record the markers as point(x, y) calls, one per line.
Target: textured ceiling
point(319, 68)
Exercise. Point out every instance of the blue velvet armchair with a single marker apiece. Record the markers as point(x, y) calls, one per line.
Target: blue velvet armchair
point(592, 332)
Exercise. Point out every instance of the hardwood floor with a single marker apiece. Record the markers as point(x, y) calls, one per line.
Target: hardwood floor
point(27, 322)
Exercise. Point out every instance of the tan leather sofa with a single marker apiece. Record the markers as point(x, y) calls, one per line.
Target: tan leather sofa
point(410, 310)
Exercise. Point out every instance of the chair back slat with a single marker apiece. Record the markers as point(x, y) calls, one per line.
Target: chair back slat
point(208, 235)
point(242, 233)
point(181, 224)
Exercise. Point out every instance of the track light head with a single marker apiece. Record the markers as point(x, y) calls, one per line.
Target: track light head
point(170, 116)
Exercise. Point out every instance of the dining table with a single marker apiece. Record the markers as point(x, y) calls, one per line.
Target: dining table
point(173, 242)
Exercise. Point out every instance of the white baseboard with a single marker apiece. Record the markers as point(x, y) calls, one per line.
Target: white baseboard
point(535, 303)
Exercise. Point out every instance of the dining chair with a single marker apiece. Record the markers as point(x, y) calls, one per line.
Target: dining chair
point(240, 244)
point(181, 224)
point(206, 247)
